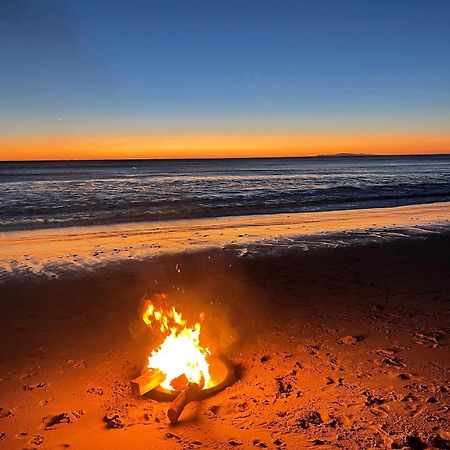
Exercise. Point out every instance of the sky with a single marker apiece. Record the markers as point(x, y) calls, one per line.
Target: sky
point(190, 78)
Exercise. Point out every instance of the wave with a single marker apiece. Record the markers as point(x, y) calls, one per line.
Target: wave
point(98, 217)
point(62, 194)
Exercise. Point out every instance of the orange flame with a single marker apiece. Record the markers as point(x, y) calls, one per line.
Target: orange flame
point(181, 352)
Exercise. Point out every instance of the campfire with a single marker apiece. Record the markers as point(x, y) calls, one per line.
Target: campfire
point(180, 368)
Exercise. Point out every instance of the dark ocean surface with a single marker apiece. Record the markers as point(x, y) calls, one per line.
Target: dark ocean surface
point(49, 194)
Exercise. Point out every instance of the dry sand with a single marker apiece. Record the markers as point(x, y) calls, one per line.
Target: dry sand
point(343, 346)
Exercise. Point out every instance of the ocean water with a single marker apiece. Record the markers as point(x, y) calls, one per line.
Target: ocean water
point(51, 194)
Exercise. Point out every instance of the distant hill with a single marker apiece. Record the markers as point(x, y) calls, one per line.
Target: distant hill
point(335, 155)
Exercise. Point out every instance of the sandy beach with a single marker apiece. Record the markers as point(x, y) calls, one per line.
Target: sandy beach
point(337, 325)
point(48, 252)
point(224, 225)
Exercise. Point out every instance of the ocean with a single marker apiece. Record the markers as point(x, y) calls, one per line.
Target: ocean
point(73, 193)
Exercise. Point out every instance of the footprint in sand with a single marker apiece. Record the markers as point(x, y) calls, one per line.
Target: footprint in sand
point(22, 435)
point(33, 387)
point(429, 338)
point(388, 358)
point(4, 413)
point(404, 376)
point(80, 364)
point(223, 409)
point(27, 375)
point(60, 420)
point(37, 440)
point(377, 403)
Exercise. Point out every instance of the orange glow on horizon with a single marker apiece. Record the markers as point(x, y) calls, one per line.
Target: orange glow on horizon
point(219, 145)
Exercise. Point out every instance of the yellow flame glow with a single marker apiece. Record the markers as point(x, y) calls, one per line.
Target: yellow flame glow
point(181, 352)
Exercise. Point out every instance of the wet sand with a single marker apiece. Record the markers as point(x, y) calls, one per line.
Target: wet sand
point(333, 347)
point(48, 251)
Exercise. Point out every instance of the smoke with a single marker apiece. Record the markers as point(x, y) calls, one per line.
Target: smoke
point(215, 283)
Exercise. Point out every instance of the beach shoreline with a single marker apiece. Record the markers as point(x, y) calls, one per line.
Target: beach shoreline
point(48, 251)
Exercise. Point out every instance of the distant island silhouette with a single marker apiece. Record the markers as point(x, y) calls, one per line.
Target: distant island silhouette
point(334, 155)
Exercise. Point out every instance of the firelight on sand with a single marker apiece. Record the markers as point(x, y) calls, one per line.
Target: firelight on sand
point(180, 353)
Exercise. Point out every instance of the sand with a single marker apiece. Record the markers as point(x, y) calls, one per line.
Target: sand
point(49, 251)
point(343, 344)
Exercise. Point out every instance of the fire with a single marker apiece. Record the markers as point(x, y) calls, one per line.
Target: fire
point(181, 352)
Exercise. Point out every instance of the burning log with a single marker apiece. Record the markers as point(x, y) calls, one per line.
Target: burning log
point(180, 354)
point(180, 366)
point(147, 382)
point(187, 395)
point(180, 382)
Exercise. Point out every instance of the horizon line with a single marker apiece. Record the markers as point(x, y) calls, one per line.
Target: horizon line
point(320, 155)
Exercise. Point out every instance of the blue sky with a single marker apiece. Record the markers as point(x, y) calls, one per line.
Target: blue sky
point(81, 67)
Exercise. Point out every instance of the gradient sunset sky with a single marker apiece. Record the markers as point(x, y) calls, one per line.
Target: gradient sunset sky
point(187, 78)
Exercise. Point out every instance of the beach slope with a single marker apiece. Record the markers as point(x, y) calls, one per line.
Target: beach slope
point(338, 339)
